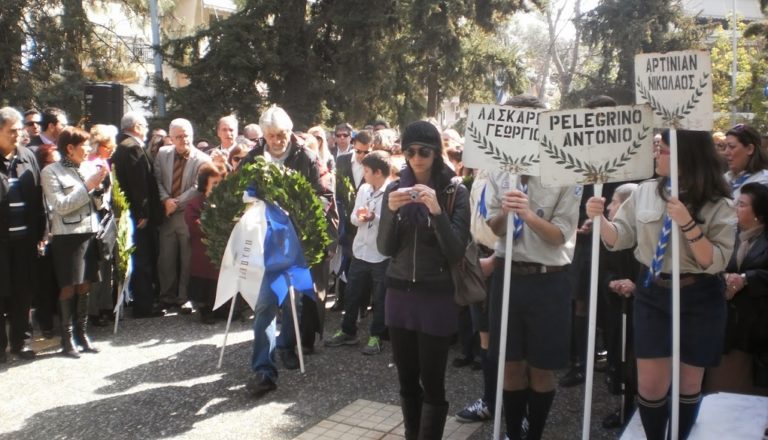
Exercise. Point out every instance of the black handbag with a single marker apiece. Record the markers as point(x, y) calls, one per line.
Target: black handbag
point(468, 280)
point(106, 237)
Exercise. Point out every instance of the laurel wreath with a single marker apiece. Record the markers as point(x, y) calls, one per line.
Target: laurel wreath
point(120, 209)
point(673, 117)
point(273, 183)
point(593, 173)
point(517, 165)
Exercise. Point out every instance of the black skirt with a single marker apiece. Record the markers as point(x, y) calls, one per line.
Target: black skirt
point(75, 259)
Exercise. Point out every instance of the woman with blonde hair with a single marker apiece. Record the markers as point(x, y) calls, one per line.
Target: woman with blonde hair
point(322, 151)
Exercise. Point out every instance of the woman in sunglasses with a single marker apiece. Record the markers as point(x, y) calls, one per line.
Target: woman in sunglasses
point(423, 241)
point(747, 162)
point(706, 219)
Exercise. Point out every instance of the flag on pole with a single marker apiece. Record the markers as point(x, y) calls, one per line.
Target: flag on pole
point(263, 248)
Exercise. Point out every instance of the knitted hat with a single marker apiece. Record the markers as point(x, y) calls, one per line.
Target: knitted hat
point(422, 133)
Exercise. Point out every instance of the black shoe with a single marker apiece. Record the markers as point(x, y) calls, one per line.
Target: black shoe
point(289, 359)
point(259, 385)
point(575, 376)
point(612, 421)
point(461, 362)
point(25, 353)
point(187, 308)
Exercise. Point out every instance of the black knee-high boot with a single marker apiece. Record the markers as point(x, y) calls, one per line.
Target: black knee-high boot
point(538, 411)
point(654, 414)
point(689, 412)
point(82, 324)
point(515, 403)
point(66, 313)
point(411, 406)
point(432, 421)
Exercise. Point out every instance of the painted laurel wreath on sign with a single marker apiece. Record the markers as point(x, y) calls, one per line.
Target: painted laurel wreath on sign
point(593, 173)
point(673, 117)
point(519, 165)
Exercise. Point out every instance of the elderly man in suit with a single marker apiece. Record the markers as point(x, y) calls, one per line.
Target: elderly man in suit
point(176, 169)
point(135, 173)
point(22, 226)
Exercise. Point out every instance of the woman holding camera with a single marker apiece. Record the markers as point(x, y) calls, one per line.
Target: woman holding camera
point(423, 241)
point(72, 189)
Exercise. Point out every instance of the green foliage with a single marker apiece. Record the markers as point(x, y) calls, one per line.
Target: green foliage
point(620, 29)
point(328, 61)
point(275, 184)
point(752, 76)
point(123, 218)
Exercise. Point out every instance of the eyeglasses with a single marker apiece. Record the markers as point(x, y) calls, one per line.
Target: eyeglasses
point(362, 151)
point(237, 159)
point(422, 152)
point(342, 135)
point(31, 123)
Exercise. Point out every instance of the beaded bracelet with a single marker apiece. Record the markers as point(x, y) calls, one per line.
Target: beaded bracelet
point(696, 238)
point(688, 226)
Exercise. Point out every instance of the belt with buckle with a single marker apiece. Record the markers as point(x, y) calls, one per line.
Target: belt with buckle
point(665, 280)
point(526, 268)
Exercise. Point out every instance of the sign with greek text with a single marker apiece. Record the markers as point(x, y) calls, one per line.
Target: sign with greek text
point(502, 138)
point(678, 86)
point(601, 145)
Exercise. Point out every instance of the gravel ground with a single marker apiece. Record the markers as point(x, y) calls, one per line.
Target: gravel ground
point(157, 378)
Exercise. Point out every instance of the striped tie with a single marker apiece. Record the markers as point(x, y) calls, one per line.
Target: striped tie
point(737, 182)
point(661, 248)
point(517, 220)
point(178, 171)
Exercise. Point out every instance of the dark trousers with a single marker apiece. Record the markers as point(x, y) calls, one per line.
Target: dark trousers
point(15, 303)
point(420, 361)
point(361, 278)
point(47, 297)
point(144, 264)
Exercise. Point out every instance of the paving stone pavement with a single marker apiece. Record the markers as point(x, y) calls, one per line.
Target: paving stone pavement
point(157, 378)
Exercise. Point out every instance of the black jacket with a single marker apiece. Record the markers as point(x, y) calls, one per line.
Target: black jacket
point(748, 309)
point(306, 162)
point(134, 170)
point(34, 211)
point(421, 255)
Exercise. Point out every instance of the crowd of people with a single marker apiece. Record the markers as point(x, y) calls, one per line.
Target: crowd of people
point(401, 209)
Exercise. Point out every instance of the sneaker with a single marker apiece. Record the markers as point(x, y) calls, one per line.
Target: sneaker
point(478, 411)
point(340, 338)
point(373, 346)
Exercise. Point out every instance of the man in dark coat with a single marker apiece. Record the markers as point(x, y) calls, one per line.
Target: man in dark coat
point(22, 226)
point(280, 145)
point(135, 174)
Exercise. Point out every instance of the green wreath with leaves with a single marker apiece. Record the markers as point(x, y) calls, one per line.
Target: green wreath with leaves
point(123, 218)
point(273, 183)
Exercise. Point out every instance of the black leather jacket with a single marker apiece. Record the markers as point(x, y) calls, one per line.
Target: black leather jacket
point(421, 255)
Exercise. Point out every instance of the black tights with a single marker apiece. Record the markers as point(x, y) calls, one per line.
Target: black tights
point(420, 361)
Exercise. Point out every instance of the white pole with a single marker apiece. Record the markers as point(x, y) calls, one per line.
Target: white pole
point(592, 319)
point(504, 315)
point(734, 63)
point(675, 292)
point(119, 307)
point(292, 294)
point(226, 330)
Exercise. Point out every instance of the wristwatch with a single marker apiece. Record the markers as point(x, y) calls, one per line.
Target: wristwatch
point(744, 278)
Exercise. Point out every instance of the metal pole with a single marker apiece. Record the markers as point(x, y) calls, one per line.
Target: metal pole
point(511, 183)
point(158, 58)
point(734, 64)
point(585, 429)
point(675, 292)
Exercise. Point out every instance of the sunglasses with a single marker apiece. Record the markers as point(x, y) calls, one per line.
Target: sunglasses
point(342, 135)
point(31, 123)
point(422, 152)
point(362, 151)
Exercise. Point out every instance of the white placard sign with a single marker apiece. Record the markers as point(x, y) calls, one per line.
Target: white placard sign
point(502, 138)
point(678, 86)
point(601, 145)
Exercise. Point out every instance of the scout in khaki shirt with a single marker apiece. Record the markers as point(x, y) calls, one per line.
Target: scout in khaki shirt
point(538, 338)
point(706, 218)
